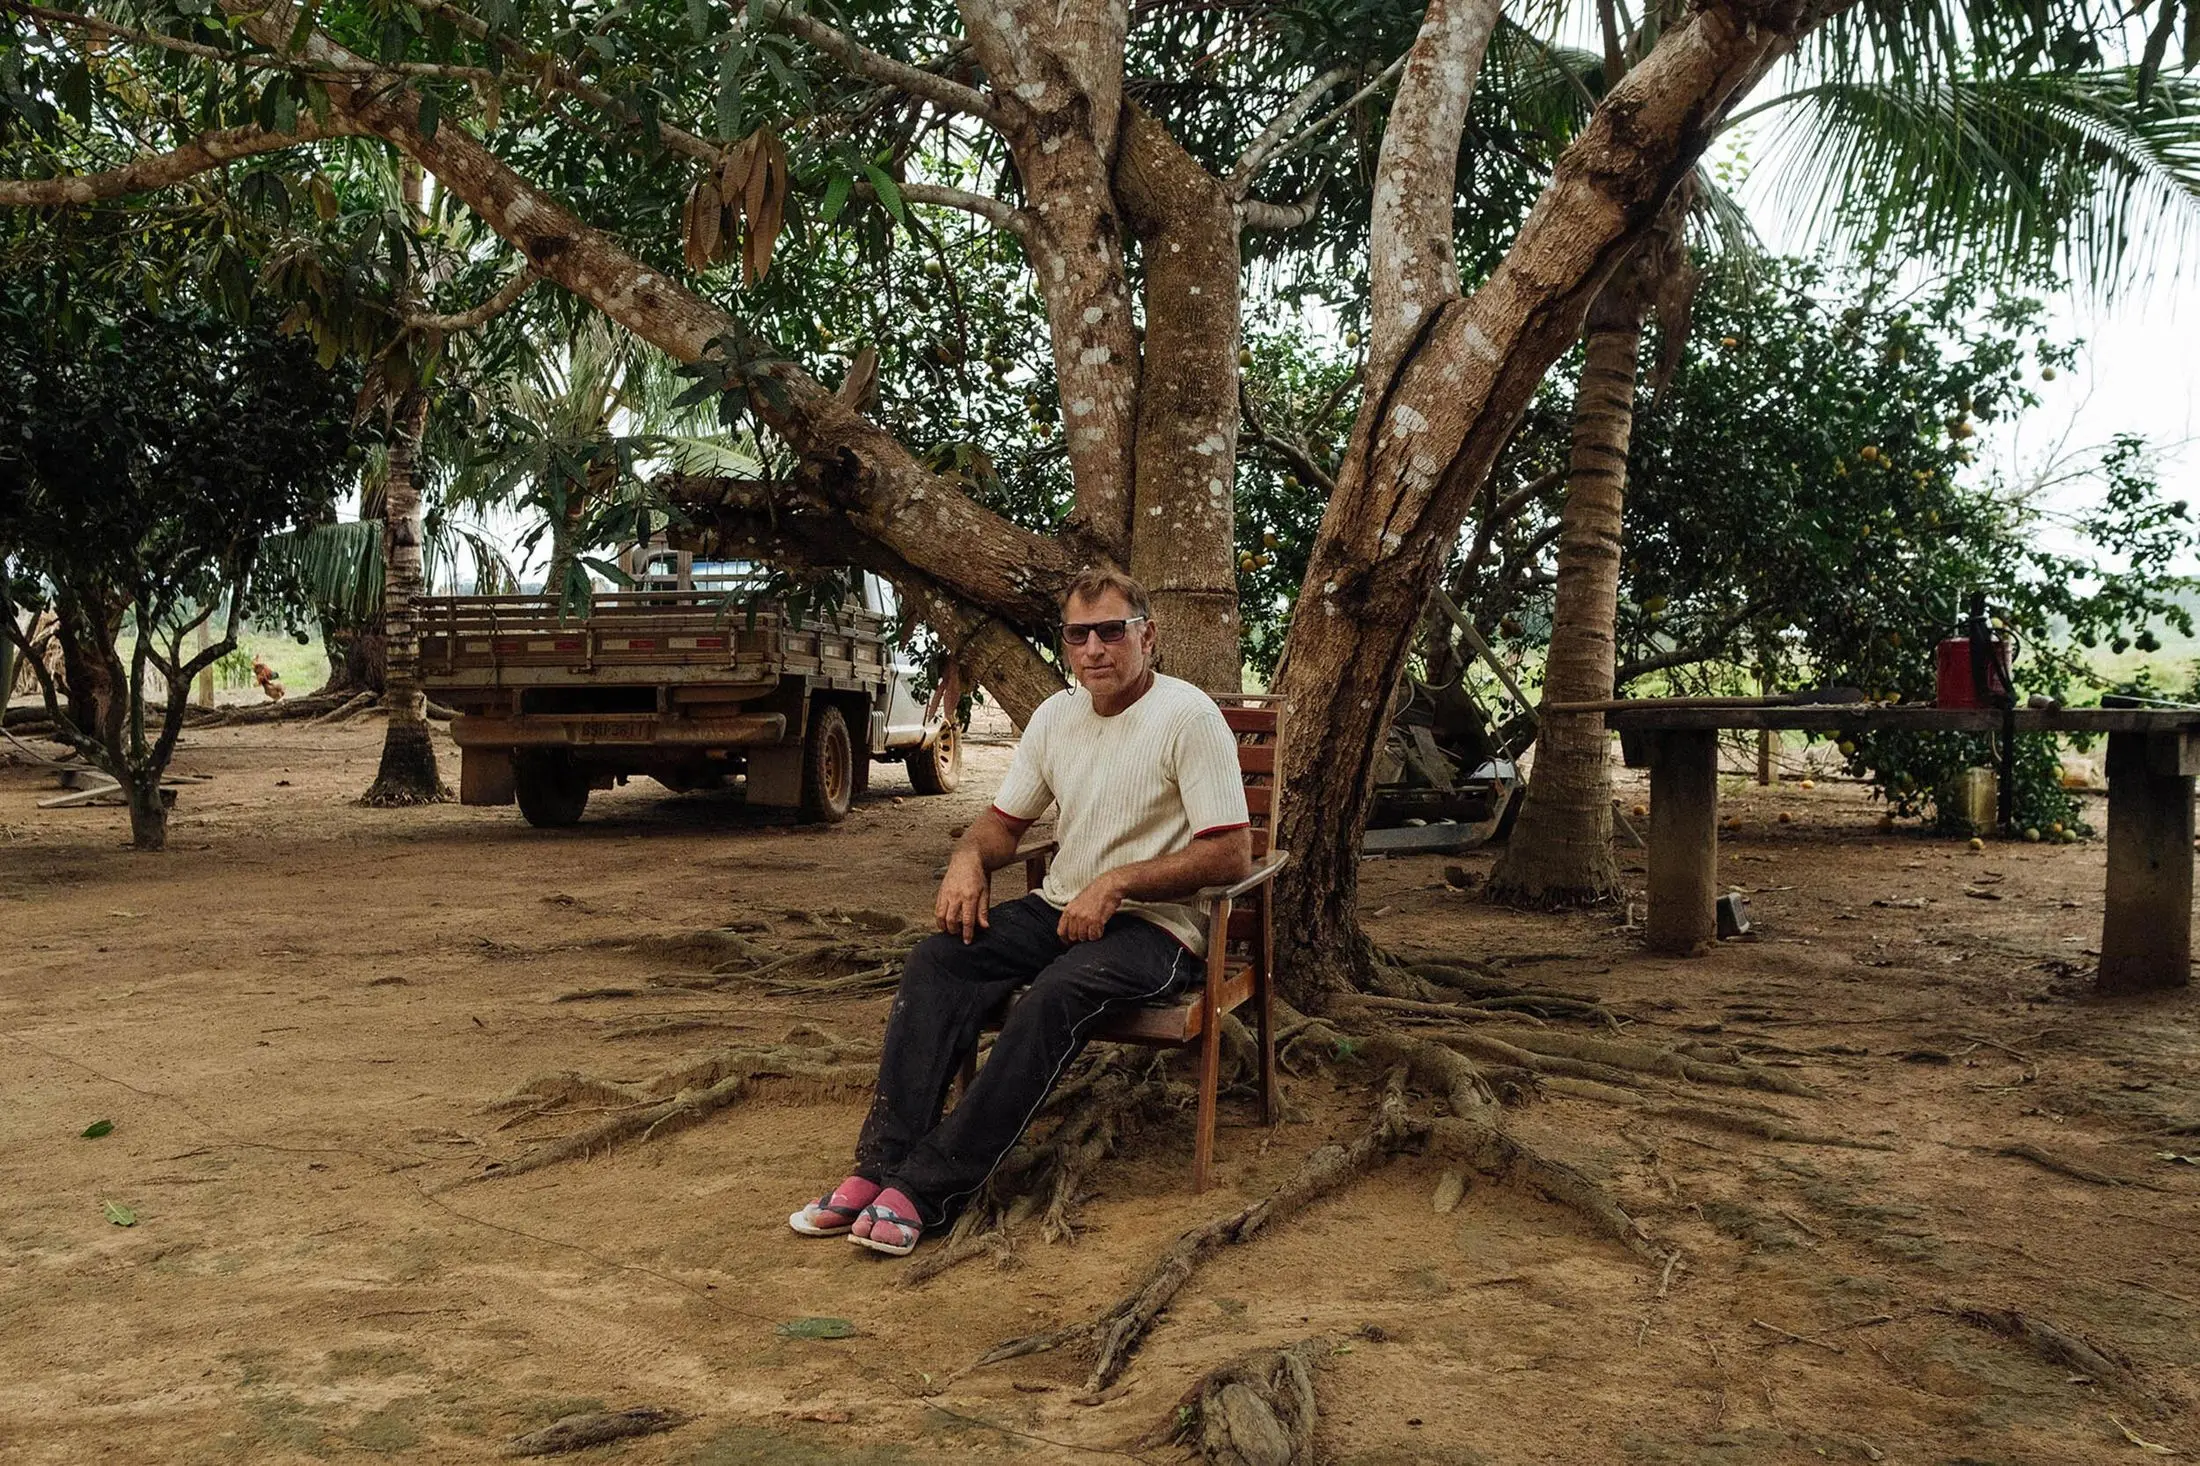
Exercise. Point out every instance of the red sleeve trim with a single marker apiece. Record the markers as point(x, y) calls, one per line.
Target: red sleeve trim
point(1015, 824)
point(1223, 829)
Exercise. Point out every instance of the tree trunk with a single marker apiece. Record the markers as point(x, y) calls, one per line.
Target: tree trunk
point(1447, 382)
point(408, 774)
point(148, 810)
point(1182, 536)
point(1561, 847)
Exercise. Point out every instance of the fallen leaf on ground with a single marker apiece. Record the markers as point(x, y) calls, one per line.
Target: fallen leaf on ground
point(816, 1328)
point(119, 1214)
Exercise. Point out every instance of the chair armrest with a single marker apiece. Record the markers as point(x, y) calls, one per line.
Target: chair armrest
point(1039, 851)
point(1264, 871)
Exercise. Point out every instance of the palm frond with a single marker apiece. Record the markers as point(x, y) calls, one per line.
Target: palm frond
point(2016, 174)
point(338, 567)
point(709, 457)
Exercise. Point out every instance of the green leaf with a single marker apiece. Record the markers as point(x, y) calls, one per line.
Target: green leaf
point(889, 192)
point(431, 113)
point(307, 14)
point(98, 1128)
point(119, 1214)
point(817, 1328)
point(609, 570)
point(836, 196)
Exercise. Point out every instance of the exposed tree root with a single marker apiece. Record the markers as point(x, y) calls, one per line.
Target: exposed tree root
point(1114, 1092)
point(346, 711)
point(2046, 1160)
point(1256, 1410)
point(2056, 1345)
point(593, 1428)
point(812, 1060)
point(1610, 1060)
point(1118, 1332)
point(1761, 1126)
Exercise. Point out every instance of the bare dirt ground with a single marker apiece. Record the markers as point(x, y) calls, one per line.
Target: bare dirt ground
point(296, 1019)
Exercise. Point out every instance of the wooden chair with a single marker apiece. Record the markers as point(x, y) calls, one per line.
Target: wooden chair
point(1241, 946)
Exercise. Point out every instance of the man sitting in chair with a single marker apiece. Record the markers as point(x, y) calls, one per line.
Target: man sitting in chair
point(1144, 774)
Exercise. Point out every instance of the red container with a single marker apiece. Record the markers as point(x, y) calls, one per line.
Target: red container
point(1953, 684)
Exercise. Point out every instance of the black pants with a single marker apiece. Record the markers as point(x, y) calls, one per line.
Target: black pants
point(948, 989)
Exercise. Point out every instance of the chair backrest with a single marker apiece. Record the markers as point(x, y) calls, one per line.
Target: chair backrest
point(1259, 721)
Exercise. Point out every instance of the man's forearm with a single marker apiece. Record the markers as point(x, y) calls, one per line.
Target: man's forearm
point(991, 841)
point(1217, 860)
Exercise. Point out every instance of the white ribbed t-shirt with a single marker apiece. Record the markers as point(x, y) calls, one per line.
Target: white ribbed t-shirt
point(1141, 784)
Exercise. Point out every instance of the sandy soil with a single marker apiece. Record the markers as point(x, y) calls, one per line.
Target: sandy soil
point(296, 1017)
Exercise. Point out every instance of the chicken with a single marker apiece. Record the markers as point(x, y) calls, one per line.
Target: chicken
point(270, 680)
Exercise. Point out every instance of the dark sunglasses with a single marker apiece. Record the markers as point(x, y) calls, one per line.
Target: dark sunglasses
point(1110, 632)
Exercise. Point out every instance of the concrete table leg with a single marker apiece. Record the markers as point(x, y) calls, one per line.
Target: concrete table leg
point(1684, 841)
point(2146, 931)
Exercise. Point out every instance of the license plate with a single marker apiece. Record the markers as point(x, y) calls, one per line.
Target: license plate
point(616, 730)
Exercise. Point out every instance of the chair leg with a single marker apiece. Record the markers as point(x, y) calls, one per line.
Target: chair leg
point(1210, 1076)
point(1264, 1021)
point(968, 1075)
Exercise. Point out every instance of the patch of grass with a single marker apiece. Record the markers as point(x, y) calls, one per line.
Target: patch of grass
point(370, 1364)
point(390, 1428)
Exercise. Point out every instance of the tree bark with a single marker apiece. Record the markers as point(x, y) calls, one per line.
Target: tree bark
point(1447, 383)
point(1056, 75)
point(148, 810)
point(408, 774)
point(1182, 537)
point(1561, 847)
point(881, 491)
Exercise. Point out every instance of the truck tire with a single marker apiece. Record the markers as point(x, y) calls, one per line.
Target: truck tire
point(551, 791)
point(938, 768)
point(828, 768)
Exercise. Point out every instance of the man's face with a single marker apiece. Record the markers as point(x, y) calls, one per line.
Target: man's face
point(1105, 668)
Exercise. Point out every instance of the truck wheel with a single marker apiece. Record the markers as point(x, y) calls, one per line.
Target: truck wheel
point(828, 768)
point(939, 768)
point(551, 791)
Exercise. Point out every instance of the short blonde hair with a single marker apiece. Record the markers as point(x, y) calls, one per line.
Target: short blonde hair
point(1089, 585)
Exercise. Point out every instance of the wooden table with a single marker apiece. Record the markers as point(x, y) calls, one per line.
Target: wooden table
point(2146, 927)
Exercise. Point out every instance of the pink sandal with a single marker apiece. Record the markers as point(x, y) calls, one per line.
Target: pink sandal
point(909, 1230)
point(843, 1214)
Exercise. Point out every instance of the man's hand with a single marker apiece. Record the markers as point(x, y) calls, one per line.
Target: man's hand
point(964, 894)
point(1085, 918)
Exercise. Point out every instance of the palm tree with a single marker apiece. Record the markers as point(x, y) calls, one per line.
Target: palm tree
point(2012, 173)
point(569, 439)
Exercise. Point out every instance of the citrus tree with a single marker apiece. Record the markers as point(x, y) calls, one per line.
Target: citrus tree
point(141, 466)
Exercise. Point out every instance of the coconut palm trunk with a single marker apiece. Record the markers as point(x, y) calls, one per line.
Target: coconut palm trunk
point(408, 774)
point(1561, 847)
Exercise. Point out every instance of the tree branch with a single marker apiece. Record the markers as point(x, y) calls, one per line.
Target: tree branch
point(1323, 123)
point(203, 154)
point(506, 297)
point(1289, 450)
point(1271, 138)
point(1703, 649)
point(565, 79)
point(998, 212)
point(256, 60)
point(860, 60)
point(1261, 214)
point(1412, 269)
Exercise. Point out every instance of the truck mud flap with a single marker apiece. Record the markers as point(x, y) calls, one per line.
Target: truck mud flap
point(485, 776)
point(775, 776)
